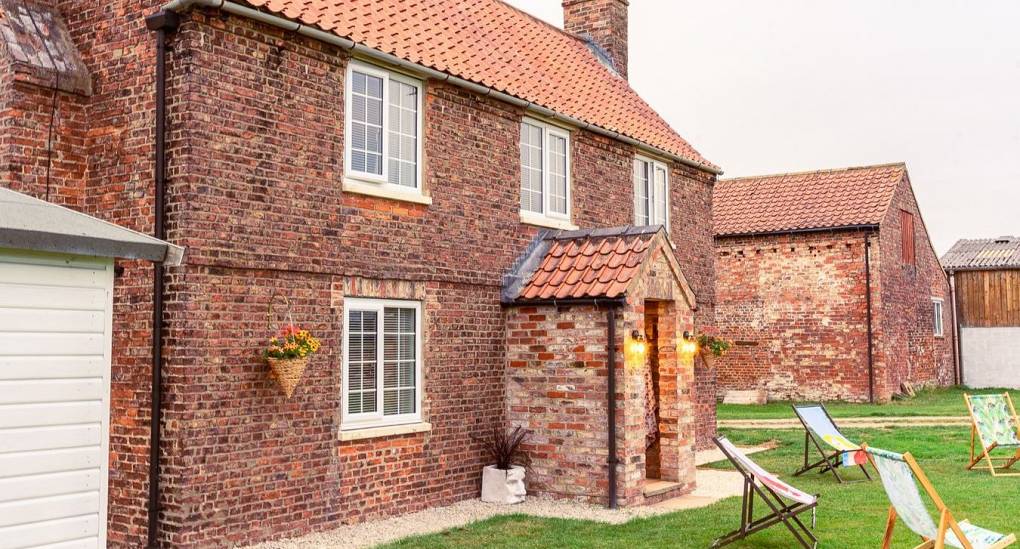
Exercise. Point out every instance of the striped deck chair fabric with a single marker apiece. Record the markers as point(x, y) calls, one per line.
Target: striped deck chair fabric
point(900, 476)
point(766, 488)
point(819, 429)
point(994, 425)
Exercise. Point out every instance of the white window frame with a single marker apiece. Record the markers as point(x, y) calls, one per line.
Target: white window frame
point(655, 165)
point(382, 181)
point(938, 316)
point(350, 421)
point(549, 130)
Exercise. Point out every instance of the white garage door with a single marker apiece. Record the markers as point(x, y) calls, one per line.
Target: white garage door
point(55, 326)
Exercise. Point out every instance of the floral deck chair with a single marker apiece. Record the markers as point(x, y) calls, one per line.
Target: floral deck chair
point(995, 425)
point(819, 431)
point(900, 476)
point(774, 493)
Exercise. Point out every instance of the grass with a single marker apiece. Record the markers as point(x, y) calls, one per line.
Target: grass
point(849, 516)
point(931, 402)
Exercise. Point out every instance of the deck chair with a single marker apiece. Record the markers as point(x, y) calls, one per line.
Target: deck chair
point(995, 425)
point(773, 492)
point(820, 431)
point(900, 476)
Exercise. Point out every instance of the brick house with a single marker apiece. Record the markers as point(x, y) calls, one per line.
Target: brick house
point(796, 256)
point(382, 166)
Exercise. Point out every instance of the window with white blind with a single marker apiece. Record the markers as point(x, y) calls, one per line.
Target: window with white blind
point(651, 193)
point(382, 363)
point(937, 316)
point(384, 125)
point(545, 171)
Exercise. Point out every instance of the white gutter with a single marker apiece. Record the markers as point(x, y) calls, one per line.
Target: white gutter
point(180, 6)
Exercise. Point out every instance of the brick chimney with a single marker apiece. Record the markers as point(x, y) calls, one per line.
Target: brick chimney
point(604, 24)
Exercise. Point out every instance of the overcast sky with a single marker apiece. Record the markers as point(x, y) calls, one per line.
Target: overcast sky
point(791, 85)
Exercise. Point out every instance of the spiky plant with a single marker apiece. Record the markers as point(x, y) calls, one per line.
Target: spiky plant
point(504, 447)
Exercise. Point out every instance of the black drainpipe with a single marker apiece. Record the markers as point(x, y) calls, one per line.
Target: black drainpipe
point(162, 23)
point(611, 400)
point(867, 291)
point(957, 352)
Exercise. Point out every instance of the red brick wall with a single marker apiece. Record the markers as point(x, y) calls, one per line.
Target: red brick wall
point(910, 351)
point(794, 306)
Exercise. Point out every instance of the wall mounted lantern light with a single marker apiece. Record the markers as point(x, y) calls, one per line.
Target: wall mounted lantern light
point(689, 345)
point(638, 343)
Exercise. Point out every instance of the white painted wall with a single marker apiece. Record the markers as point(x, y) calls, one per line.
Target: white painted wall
point(55, 340)
point(991, 357)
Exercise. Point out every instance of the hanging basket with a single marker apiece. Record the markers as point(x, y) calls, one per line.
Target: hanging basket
point(288, 372)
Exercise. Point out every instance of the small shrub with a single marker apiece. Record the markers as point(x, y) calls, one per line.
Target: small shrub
point(504, 447)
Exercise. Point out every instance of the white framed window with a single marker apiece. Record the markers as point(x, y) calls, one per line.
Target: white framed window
point(381, 363)
point(651, 192)
point(937, 304)
point(545, 171)
point(383, 128)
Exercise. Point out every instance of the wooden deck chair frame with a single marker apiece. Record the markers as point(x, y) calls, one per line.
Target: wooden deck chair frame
point(781, 512)
point(828, 462)
point(996, 464)
point(946, 520)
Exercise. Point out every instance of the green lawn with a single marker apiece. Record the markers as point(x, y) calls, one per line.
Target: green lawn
point(849, 516)
point(933, 402)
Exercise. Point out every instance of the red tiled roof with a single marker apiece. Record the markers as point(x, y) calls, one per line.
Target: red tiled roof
point(986, 253)
point(808, 200)
point(491, 43)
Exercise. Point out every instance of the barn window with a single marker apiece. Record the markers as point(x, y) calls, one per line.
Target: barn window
point(907, 236)
point(937, 316)
point(382, 363)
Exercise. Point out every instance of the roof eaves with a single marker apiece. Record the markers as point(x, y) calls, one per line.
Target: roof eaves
point(180, 6)
point(855, 227)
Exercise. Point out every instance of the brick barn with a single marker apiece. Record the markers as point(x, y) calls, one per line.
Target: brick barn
point(796, 257)
point(382, 165)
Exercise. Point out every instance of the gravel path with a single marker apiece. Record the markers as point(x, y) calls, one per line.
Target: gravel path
point(867, 422)
point(713, 485)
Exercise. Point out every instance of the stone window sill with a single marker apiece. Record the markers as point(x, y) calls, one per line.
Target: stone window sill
point(539, 220)
point(388, 431)
point(385, 190)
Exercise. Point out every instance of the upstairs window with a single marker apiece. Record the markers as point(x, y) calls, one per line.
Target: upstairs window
point(937, 316)
point(384, 124)
point(545, 172)
point(651, 193)
point(907, 237)
point(382, 363)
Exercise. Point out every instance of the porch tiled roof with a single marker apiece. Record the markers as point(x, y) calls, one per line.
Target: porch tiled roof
point(568, 265)
point(807, 200)
point(491, 43)
point(984, 253)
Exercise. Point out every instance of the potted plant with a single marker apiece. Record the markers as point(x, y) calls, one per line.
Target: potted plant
point(287, 355)
point(503, 481)
point(711, 347)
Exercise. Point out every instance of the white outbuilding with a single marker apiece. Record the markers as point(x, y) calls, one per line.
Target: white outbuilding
point(56, 300)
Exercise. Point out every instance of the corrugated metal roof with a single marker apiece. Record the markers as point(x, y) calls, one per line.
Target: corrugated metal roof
point(28, 223)
point(984, 253)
